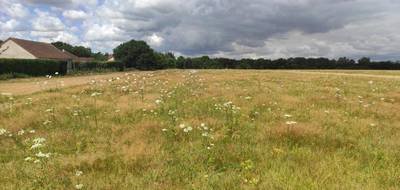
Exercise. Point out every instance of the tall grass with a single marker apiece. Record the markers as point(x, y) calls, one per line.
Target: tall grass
point(205, 130)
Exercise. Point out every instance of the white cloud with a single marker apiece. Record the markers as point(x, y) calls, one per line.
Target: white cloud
point(75, 14)
point(45, 22)
point(154, 40)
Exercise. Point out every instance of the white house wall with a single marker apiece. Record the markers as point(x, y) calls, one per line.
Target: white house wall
point(11, 50)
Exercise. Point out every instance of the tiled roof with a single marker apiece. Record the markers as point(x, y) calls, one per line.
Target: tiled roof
point(41, 50)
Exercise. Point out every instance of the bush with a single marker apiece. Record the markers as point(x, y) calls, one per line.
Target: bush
point(98, 66)
point(13, 76)
point(32, 67)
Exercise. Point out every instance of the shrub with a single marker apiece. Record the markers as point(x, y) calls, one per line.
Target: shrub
point(98, 66)
point(13, 76)
point(32, 67)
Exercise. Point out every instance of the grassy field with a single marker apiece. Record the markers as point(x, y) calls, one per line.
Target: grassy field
point(205, 130)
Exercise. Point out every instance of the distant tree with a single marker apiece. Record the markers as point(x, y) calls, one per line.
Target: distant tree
point(137, 54)
point(100, 56)
point(167, 60)
point(63, 46)
point(345, 60)
point(364, 60)
point(79, 51)
point(1, 41)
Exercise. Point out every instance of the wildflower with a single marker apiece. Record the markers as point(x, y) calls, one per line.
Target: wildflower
point(79, 186)
point(32, 131)
point(94, 94)
point(39, 140)
point(291, 123)
point(158, 101)
point(171, 112)
point(3, 131)
point(21, 132)
point(247, 98)
point(36, 161)
point(182, 126)
point(6, 94)
point(287, 115)
point(373, 125)
point(28, 159)
point(46, 122)
point(36, 145)
point(78, 173)
point(187, 129)
point(56, 73)
point(43, 155)
point(164, 130)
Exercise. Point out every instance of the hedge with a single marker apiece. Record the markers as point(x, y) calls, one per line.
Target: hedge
point(93, 66)
point(32, 67)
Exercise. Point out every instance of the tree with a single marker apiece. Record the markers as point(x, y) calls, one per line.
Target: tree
point(1, 41)
point(79, 51)
point(364, 60)
point(345, 60)
point(100, 56)
point(136, 54)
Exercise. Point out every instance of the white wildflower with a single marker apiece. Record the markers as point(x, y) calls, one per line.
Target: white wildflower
point(94, 94)
point(79, 186)
point(78, 173)
point(164, 130)
point(3, 131)
point(158, 101)
point(21, 132)
point(39, 140)
point(287, 115)
point(291, 123)
point(43, 155)
point(187, 129)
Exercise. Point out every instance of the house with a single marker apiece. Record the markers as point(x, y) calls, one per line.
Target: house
point(110, 58)
point(14, 48)
point(77, 59)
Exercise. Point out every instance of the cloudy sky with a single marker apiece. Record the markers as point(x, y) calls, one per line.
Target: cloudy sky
point(229, 28)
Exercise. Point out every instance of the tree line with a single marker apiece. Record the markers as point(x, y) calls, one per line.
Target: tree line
point(139, 55)
point(80, 51)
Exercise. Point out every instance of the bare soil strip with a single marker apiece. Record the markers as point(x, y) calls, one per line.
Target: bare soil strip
point(347, 74)
point(29, 86)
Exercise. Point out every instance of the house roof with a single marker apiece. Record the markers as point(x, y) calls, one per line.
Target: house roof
point(41, 50)
point(70, 54)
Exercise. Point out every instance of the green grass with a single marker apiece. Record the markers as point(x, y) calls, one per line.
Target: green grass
point(206, 130)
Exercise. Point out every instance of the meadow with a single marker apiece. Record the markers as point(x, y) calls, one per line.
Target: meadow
point(205, 129)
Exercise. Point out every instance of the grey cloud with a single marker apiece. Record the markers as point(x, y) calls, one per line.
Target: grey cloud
point(237, 28)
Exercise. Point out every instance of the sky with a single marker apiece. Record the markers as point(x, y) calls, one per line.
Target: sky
point(218, 28)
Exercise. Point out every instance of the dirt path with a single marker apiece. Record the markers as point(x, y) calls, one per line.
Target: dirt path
point(347, 74)
point(32, 85)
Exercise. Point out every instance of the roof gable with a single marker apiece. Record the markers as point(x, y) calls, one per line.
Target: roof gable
point(41, 50)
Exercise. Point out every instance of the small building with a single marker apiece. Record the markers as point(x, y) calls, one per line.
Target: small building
point(14, 48)
point(110, 58)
